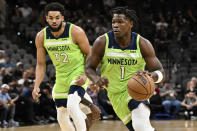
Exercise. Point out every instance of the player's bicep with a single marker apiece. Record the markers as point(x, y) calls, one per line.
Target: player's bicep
point(93, 59)
point(80, 38)
point(97, 52)
point(84, 44)
point(41, 53)
point(148, 54)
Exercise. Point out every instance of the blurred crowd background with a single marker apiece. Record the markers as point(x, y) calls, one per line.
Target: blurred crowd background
point(170, 25)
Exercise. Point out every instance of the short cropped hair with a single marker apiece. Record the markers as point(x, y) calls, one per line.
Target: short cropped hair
point(54, 6)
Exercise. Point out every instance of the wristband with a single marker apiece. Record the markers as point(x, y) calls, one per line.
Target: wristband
point(160, 76)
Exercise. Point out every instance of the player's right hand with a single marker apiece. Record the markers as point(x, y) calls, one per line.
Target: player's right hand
point(35, 93)
point(81, 80)
point(102, 82)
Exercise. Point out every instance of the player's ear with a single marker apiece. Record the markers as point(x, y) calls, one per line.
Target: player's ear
point(62, 18)
point(131, 23)
point(47, 18)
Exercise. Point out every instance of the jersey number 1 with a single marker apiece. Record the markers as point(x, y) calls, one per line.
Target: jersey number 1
point(122, 68)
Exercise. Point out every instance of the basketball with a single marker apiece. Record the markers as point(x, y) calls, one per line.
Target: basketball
point(141, 87)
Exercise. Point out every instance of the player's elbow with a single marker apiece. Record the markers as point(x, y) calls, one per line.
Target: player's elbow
point(41, 66)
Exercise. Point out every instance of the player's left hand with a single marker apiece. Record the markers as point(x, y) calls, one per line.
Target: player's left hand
point(81, 80)
point(95, 112)
point(94, 87)
point(102, 82)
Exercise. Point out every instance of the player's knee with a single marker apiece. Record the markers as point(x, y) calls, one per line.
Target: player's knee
point(140, 118)
point(62, 110)
point(141, 112)
point(62, 115)
point(73, 101)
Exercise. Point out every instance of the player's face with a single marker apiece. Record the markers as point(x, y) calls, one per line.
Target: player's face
point(121, 25)
point(54, 19)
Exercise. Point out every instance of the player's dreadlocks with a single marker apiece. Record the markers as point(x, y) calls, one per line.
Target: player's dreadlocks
point(130, 14)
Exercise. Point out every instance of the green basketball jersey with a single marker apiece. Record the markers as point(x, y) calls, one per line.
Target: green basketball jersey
point(67, 58)
point(118, 64)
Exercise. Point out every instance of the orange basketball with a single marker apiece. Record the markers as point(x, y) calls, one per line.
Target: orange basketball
point(141, 87)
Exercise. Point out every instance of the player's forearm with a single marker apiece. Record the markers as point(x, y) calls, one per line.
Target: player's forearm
point(86, 102)
point(91, 73)
point(40, 72)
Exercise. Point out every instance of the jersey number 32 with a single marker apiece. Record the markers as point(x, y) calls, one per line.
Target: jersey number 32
point(61, 57)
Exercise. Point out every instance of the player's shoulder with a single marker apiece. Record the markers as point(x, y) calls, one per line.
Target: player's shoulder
point(77, 33)
point(99, 46)
point(40, 34)
point(144, 41)
point(76, 29)
point(39, 41)
point(146, 47)
point(100, 40)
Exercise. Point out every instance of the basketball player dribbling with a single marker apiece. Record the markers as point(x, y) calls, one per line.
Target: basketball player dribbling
point(123, 53)
point(67, 46)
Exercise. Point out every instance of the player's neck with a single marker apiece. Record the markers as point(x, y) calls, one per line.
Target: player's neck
point(58, 33)
point(124, 41)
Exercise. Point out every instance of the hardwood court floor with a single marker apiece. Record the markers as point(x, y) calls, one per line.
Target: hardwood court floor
point(160, 125)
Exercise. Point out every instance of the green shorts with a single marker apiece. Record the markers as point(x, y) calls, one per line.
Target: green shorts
point(123, 104)
point(120, 102)
point(63, 83)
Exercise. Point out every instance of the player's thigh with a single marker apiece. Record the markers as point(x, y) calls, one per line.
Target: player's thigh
point(119, 103)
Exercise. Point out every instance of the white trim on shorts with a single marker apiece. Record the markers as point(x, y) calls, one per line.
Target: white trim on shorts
point(126, 118)
point(57, 94)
